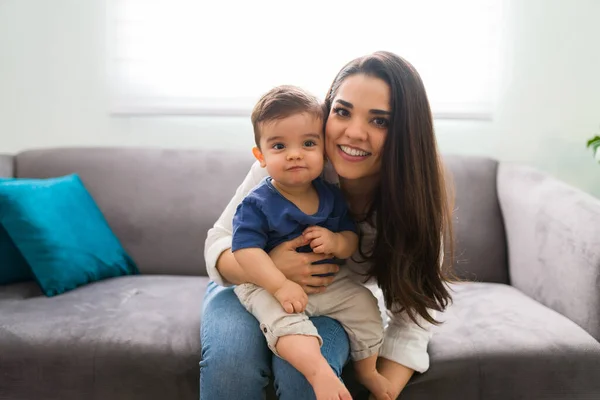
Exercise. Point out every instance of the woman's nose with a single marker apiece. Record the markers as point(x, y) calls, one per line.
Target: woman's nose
point(356, 131)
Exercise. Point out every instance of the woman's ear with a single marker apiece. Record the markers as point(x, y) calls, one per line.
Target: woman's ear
point(259, 156)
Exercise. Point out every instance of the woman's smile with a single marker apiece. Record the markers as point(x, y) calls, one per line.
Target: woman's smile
point(352, 155)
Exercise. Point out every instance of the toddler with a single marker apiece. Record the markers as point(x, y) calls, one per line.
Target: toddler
point(292, 201)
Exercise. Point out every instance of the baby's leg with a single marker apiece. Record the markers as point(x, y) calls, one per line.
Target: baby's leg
point(355, 307)
point(304, 353)
point(295, 339)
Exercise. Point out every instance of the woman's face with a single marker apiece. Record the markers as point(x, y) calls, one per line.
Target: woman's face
point(357, 126)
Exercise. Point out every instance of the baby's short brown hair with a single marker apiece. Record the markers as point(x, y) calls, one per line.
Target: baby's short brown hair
point(281, 102)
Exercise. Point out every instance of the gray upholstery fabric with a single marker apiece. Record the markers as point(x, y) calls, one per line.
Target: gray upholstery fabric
point(123, 338)
point(497, 343)
point(137, 337)
point(159, 203)
point(554, 243)
point(6, 165)
point(480, 243)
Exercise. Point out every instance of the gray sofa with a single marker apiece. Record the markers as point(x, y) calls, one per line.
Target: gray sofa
point(527, 327)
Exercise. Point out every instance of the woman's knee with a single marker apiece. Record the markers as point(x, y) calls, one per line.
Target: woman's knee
point(290, 384)
point(231, 340)
point(336, 346)
point(227, 328)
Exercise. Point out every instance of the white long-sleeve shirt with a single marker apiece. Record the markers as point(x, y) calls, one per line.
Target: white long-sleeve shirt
point(404, 341)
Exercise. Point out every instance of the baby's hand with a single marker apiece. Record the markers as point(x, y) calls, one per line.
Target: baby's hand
point(292, 297)
point(322, 240)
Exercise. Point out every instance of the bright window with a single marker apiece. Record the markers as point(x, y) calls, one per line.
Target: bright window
point(218, 57)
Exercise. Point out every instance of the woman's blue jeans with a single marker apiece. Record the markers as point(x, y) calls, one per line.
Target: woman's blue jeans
point(236, 362)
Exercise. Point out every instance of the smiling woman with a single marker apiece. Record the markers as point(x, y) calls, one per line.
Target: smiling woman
point(383, 155)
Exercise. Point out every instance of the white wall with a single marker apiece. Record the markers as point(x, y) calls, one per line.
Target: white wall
point(53, 89)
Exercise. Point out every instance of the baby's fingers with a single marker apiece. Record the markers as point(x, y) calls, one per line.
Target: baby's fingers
point(316, 242)
point(319, 249)
point(288, 307)
point(314, 229)
point(298, 307)
point(309, 229)
point(312, 235)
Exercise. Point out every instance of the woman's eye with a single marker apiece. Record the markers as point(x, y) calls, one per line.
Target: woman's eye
point(381, 122)
point(278, 146)
point(342, 112)
point(310, 143)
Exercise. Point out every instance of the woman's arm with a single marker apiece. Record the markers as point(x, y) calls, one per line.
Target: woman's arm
point(405, 342)
point(220, 263)
point(404, 349)
point(223, 268)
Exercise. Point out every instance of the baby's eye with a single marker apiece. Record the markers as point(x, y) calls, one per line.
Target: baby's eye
point(342, 112)
point(381, 122)
point(278, 146)
point(309, 143)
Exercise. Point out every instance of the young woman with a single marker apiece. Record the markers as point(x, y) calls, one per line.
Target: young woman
point(382, 152)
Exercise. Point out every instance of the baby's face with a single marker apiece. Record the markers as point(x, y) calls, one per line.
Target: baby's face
point(293, 149)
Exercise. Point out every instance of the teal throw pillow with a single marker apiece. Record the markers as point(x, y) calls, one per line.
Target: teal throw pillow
point(62, 234)
point(13, 267)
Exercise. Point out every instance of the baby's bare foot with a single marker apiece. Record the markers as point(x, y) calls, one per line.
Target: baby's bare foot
point(328, 386)
point(378, 385)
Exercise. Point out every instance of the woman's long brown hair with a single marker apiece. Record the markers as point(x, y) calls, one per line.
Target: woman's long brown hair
point(413, 249)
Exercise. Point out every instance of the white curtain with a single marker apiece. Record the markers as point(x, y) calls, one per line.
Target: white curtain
point(218, 57)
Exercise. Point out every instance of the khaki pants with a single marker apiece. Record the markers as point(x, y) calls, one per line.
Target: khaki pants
point(346, 301)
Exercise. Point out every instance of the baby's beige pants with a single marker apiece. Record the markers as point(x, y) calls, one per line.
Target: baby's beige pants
point(348, 302)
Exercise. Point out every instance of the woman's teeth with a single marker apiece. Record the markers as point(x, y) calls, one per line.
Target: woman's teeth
point(354, 152)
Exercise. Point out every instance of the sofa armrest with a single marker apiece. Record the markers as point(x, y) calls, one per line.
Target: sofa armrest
point(553, 237)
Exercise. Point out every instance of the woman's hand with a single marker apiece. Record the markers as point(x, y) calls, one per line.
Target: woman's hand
point(298, 267)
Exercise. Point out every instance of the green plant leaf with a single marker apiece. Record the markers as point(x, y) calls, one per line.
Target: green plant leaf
point(594, 144)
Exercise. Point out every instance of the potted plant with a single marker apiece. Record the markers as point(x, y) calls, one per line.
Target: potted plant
point(594, 144)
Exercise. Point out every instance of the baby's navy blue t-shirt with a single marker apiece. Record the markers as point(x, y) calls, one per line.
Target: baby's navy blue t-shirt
point(265, 218)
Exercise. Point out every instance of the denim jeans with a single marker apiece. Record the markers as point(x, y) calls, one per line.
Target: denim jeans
point(236, 362)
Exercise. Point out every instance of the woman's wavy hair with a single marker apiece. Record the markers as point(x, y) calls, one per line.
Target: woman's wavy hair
point(411, 207)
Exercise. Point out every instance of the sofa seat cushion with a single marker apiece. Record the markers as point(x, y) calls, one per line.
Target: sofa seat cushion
point(497, 343)
point(133, 337)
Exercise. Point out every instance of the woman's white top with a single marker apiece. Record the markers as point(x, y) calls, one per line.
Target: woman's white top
point(404, 342)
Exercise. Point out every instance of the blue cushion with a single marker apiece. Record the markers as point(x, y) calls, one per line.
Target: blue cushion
point(61, 233)
point(13, 267)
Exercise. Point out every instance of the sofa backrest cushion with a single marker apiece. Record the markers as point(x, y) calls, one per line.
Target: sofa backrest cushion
point(480, 239)
point(159, 203)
